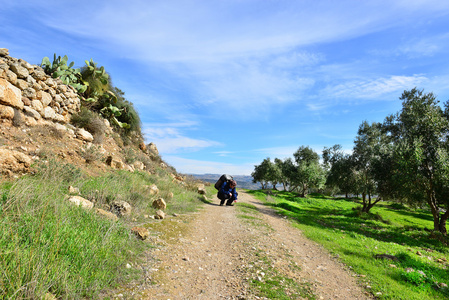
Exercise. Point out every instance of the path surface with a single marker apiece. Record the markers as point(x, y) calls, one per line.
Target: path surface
point(215, 254)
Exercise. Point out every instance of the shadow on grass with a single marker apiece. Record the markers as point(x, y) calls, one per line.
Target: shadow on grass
point(368, 224)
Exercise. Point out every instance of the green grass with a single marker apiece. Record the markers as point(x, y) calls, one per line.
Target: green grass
point(356, 238)
point(48, 245)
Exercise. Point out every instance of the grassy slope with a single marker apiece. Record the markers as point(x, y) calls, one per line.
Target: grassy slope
point(356, 238)
point(49, 245)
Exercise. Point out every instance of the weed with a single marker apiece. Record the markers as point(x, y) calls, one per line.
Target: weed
point(91, 153)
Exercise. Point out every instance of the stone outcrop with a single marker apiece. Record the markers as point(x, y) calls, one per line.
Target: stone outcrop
point(12, 161)
point(33, 93)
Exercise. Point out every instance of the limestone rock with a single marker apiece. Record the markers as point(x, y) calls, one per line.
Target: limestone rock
point(4, 52)
point(138, 165)
point(107, 214)
point(12, 77)
point(39, 74)
point(74, 190)
point(141, 232)
point(10, 95)
point(201, 189)
point(15, 161)
point(48, 113)
point(80, 201)
point(44, 97)
point(153, 189)
point(159, 215)
point(152, 148)
point(84, 135)
point(6, 112)
point(121, 208)
point(21, 71)
point(115, 163)
point(32, 113)
point(36, 105)
point(159, 204)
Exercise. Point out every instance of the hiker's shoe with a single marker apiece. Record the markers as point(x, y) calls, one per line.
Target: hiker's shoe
point(229, 204)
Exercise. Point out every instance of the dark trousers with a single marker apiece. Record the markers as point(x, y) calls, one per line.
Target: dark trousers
point(224, 197)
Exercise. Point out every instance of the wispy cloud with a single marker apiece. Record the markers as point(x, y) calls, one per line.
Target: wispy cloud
point(376, 88)
point(192, 166)
point(170, 137)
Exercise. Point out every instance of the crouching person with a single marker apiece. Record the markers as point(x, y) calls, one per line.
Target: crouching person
point(227, 193)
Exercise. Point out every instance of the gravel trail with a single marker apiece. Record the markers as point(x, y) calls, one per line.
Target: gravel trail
point(215, 253)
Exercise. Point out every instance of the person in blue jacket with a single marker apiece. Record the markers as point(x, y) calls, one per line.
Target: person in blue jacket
point(227, 192)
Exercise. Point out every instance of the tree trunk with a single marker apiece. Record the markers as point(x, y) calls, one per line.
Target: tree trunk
point(442, 225)
point(434, 209)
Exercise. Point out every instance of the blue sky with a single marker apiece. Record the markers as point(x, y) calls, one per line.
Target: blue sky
point(221, 85)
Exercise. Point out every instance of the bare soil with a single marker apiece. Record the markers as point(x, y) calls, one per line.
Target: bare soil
point(217, 252)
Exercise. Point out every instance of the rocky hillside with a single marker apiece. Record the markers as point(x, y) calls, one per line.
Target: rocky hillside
point(35, 123)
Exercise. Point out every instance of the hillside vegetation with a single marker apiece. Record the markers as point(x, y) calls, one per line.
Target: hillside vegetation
point(78, 185)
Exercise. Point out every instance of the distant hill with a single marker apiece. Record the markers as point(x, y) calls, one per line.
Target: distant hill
point(243, 181)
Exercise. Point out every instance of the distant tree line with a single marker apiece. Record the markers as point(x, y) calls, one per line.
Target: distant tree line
point(403, 159)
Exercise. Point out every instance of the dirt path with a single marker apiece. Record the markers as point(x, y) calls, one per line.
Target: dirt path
point(217, 252)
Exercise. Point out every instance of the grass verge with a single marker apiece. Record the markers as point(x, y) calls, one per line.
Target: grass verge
point(367, 243)
point(49, 246)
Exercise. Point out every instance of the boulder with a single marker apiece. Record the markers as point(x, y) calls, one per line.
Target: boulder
point(4, 52)
point(201, 189)
point(10, 95)
point(12, 77)
point(141, 232)
point(15, 161)
point(48, 113)
point(153, 189)
point(152, 148)
point(121, 208)
point(107, 214)
point(84, 135)
point(138, 165)
point(159, 215)
point(20, 70)
point(32, 113)
point(159, 204)
point(36, 105)
point(44, 97)
point(115, 163)
point(6, 112)
point(80, 201)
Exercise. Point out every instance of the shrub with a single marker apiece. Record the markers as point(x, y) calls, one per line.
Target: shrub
point(90, 121)
point(91, 154)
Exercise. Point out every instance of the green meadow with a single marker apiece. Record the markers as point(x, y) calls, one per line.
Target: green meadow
point(392, 249)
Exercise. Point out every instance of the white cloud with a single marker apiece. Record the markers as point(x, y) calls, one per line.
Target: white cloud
point(191, 166)
point(376, 88)
point(169, 137)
